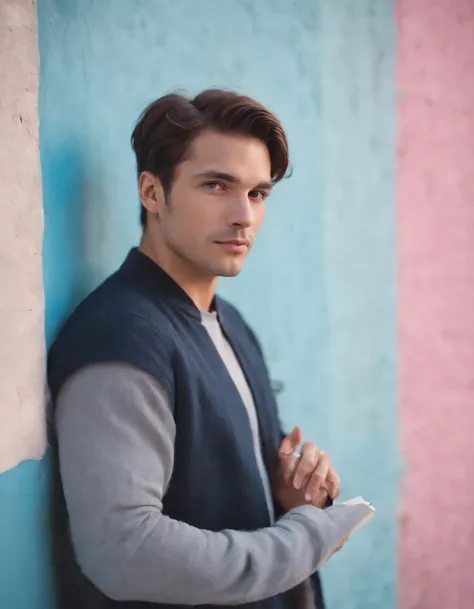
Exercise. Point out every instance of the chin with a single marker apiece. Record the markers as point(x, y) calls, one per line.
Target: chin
point(229, 270)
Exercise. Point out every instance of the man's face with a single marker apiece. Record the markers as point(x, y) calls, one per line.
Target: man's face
point(217, 203)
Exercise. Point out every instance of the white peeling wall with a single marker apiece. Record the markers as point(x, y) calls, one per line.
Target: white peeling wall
point(22, 349)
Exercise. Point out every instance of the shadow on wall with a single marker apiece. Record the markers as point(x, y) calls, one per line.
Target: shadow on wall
point(68, 194)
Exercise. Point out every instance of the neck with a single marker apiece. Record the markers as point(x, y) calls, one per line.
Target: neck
point(200, 289)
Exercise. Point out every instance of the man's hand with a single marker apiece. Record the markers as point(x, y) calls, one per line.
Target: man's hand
point(308, 478)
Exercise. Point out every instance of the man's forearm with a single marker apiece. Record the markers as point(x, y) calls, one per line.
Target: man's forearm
point(179, 564)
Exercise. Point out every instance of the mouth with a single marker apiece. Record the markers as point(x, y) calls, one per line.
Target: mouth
point(236, 246)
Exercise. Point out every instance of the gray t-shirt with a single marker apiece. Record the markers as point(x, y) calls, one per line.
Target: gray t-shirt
point(213, 327)
point(116, 438)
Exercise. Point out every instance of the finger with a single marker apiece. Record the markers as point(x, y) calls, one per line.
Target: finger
point(307, 463)
point(318, 499)
point(333, 484)
point(318, 477)
point(287, 467)
point(290, 443)
point(288, 460)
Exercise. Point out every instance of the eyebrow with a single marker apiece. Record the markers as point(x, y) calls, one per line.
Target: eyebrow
point(228, 177)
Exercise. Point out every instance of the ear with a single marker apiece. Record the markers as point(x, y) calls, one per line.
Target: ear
point(151, 193)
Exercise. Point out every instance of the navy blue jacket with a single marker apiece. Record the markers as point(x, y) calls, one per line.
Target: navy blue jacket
point(139, 315)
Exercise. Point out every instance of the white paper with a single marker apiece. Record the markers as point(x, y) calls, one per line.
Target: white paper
point(351, 515)
point(346, 518)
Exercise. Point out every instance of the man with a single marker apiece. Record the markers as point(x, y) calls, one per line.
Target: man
point(179, 486)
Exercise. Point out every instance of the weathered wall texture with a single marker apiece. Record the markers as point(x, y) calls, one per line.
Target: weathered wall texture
point(21, 232)
point(436, 259)
point(25, 565)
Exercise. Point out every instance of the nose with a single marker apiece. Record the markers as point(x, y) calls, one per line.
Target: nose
point(241, 215)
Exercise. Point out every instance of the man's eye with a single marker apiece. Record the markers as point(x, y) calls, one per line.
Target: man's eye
point(213, 186)
point(258, 194)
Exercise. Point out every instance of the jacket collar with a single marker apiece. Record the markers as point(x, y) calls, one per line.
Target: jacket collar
point(151, 279)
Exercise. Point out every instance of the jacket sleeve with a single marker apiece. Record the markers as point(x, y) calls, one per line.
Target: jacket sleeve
point(116, 449)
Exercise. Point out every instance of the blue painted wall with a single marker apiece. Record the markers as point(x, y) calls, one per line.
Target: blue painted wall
point(320, 286)
point(26, 578)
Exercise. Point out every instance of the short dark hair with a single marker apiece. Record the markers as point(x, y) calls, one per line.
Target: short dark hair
point(167, 127)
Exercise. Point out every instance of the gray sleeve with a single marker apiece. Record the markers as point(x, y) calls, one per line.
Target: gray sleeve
point(116, 446)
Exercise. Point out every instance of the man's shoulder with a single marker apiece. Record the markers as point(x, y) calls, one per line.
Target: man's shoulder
point(113, 321)
point(113, 325)
point(119, 308)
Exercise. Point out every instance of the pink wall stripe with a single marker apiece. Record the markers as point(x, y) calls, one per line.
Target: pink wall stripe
point(435, 196)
